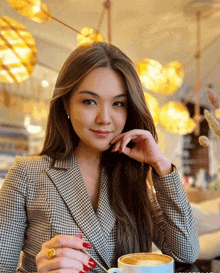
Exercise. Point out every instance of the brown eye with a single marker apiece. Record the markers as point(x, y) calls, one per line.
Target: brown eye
point(120, 102)
point(88, 101)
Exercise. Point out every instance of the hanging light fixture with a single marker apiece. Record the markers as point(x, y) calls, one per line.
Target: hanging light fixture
point(150, 73)
point(175, 74)
point(153, 107)
point(89, 35)
point(174, 116)
point(18, 51)
point(182, 127)
point(158, 79)
point(190, 126)
point(32, 9)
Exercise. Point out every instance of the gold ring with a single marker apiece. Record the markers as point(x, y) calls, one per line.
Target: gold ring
point(51, 253)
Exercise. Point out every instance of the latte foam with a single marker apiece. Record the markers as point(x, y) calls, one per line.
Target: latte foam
point(145, 259)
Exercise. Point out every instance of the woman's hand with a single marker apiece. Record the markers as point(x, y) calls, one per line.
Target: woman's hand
point(68, 257)
point(145, 150)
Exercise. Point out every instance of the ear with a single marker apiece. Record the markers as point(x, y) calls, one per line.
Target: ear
point(66, 105)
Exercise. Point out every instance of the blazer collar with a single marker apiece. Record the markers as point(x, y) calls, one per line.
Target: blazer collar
point(67, 178)
point(67, 163)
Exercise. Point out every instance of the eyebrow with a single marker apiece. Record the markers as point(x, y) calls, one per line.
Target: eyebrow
point(96, 95)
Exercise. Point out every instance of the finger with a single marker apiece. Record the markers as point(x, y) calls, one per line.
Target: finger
point(116, 147)
point(39, 257)
point(61, 263)
point(128, 151)
point(66, 271)
point(66, 241)
point(117, 138)
point(74, 254)
point(83, 261)
point(125, 142)
point(79, 235)
point(129, 133)
point(77, 255)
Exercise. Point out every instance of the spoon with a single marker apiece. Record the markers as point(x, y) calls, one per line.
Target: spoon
point(85, 252)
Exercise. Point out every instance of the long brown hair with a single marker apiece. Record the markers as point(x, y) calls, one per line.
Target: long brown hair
point(128, 191)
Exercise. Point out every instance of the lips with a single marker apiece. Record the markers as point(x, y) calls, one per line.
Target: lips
point(102, 132)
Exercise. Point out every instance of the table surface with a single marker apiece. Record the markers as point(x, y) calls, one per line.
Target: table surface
point(200, 266)
point(180, 267)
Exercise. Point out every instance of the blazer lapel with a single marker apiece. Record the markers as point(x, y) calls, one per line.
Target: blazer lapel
point(68, 180)
point(105, 214)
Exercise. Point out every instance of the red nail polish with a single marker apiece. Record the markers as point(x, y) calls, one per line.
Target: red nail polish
point(85, 268)
point(92, 264)
point(87, 245)
point(81, 272)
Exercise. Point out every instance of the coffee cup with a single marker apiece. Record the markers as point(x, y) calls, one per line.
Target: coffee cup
point(144, 263)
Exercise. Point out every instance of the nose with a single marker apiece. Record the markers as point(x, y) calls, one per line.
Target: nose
point(103, 115)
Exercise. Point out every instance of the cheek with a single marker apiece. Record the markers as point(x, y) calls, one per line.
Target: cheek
point(78, 116)
point(79, 121)
point(121, 119)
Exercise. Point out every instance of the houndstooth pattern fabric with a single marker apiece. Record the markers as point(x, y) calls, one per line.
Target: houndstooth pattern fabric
point(38, 201)
point(175, 233)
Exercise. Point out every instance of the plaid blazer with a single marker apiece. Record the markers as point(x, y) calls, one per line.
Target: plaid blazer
point(39, 201)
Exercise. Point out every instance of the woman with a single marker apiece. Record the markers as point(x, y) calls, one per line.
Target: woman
point(87, 188)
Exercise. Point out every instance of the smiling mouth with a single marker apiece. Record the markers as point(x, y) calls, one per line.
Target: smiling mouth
point(102, 132)
point(101, 135)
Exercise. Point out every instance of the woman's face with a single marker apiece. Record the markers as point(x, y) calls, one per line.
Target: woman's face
point(99, 103)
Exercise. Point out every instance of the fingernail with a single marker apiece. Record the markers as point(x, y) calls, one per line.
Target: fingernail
point(85, 268)
point(79, 235)
point(92, 264)
point(87, 245)
point(91, 261)
point(81, 272)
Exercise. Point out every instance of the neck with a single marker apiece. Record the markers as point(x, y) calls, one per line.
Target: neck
point(87, 157)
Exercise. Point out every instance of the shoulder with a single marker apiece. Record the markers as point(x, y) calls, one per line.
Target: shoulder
point(31, 165)
point(33, 161)
point(24, 172)
point(42, 161)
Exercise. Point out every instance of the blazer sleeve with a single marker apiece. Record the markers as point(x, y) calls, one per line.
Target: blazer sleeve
point(174, 227)
point(12, 216)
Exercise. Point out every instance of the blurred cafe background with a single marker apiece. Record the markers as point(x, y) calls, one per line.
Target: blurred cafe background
point(174, 45)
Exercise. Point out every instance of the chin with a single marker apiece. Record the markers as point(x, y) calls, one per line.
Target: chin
point(100, 149)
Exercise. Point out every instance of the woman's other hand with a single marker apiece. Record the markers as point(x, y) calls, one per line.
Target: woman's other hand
point(68, 257)
point(145, 150)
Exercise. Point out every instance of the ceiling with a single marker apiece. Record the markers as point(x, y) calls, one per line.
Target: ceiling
point(163, 30)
